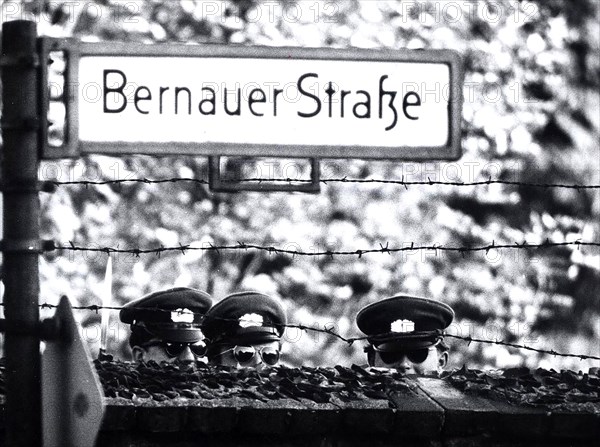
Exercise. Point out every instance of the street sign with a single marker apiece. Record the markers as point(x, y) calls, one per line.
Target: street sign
point(72, 397)
point(261, 101)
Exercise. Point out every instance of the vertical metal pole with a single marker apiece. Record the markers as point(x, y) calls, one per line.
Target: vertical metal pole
point(20, 160)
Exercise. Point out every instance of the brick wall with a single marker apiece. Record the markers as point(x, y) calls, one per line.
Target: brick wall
point(436, 415)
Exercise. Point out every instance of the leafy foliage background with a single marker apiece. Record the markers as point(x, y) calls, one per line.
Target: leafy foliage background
point(531, 114)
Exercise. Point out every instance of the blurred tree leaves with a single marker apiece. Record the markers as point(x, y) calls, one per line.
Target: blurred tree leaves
point(531, 114)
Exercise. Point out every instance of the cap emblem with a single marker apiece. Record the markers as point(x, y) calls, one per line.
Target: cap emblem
point(249, 320)
point(182, 316)
point(402, 326)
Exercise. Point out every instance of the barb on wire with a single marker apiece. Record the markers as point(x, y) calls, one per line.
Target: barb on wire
point(182, 248)
point(349, 340)
point(402, 182)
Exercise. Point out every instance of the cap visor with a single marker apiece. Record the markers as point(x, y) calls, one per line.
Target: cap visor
point(405, 342)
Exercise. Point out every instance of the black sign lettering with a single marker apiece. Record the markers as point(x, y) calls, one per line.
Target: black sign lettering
point(366, 104)
point(406, 104)
point(233, 104)
point(118, 90)
point(239, 103)
point(391, 105)
point(310, 95)
point(252, 100)
point(160, 99)
point(276, 93)
point(210, 100)
point(178, 90)
point(343, 94)
point(330, 92)
point(137, 98)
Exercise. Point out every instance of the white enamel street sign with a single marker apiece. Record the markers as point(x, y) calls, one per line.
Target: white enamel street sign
point(229, 100)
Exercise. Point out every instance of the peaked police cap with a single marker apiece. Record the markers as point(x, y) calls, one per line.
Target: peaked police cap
point(173, 314)
point(404, 322)
point(245, 318)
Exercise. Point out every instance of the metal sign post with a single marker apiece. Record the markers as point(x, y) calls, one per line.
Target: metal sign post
point(72, 395)
point(21, 246)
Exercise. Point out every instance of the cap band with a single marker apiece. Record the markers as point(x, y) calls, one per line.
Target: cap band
point(176, 332)
point(249, 335)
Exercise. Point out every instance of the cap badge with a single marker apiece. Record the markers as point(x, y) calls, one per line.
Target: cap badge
point(249, 320)
point(182, 316)
point(403, 326)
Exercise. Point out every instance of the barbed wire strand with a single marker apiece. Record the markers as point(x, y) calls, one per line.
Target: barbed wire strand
point(123, 181)
point(529, 348)
point(359, 252)
point(401, 182)
point(331, 332)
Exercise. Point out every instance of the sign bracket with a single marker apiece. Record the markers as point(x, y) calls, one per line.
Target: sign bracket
point(218, 184)
point(70, 145)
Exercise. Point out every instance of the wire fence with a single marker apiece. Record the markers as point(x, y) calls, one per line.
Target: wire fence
point(383, 249)
point(400, 182)
point(332, 333)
